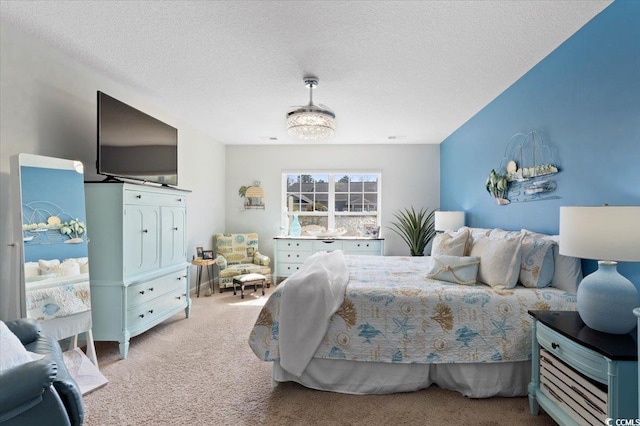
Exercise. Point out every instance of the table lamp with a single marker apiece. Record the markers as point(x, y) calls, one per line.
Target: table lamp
point(609, 234)
point(448, 221)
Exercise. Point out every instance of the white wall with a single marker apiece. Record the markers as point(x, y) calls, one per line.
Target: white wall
point(48, 107)
point(410, 176)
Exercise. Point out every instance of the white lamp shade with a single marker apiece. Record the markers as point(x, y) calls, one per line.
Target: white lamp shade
point(601, 233)
point(448, 221)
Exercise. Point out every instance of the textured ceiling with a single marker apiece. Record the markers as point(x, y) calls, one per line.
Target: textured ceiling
point(415, 70)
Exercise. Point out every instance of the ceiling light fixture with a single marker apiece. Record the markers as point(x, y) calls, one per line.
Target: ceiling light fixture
point(311, 122)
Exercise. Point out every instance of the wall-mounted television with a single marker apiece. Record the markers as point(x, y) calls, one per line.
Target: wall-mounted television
point(134, 145)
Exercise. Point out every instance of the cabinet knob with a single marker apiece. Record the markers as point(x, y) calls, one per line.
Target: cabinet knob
point(150, 288)
point(138, 196)
point(554, 345)
point(141, 315)
point(146, 231)
point(142, 292)
point(178, 297)
point(179, 199)
point(150, 311)
point(175, 229)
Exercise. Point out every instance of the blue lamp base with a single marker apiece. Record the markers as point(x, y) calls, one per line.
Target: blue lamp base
point(606, 300)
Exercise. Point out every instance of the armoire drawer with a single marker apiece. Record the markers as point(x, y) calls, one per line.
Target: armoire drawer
point(140, 315)
point(144, 292)
point(133, 196)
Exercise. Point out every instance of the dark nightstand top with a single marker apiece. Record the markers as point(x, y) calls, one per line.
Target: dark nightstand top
point(621, 347)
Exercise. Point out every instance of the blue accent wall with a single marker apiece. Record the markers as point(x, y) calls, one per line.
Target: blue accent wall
point(584, 98)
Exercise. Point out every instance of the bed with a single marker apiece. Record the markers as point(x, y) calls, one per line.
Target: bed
point(396, 330)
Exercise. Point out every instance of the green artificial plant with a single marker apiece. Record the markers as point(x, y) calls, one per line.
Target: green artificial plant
point(416, 228)
point(497, 185)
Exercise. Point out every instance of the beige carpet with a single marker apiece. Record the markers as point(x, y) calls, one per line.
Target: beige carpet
point(201, 371)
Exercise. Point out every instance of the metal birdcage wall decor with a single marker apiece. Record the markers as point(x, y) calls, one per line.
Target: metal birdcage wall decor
point(528, 164)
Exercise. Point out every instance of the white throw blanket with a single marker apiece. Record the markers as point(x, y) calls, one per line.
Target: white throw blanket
point(309, 298)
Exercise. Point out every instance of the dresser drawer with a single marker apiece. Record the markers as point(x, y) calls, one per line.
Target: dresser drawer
point(293, 256)
point(327, 245)
point(285, 269)
point(134, 196)
point(144, 292)
point(372, 247)
point(296, 245)
point(584, 360)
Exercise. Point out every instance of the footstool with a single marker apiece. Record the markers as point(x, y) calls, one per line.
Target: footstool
point(249, 279)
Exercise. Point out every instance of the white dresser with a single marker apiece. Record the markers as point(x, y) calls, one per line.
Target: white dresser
point(137, 248)
point(291, 252)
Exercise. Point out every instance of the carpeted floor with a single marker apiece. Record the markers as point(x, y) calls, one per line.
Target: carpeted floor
point(201, 371)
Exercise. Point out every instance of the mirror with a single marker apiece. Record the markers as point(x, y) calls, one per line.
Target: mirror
point(55, 279)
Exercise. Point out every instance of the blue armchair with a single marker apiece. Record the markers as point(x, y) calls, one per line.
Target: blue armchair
point(39, 392)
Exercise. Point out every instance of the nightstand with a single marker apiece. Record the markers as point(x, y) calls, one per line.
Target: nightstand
point(579, 375)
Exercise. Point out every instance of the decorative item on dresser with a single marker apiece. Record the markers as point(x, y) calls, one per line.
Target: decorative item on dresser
point(581, 376)
point(139, 271)
point(290, 253)
point(608, 234)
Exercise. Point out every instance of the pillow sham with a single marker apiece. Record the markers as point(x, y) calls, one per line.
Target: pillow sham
point(461, 270)
point(567, 270)
point(474, 233)
point(499, 260)
point(450, 245)
point(536, 268)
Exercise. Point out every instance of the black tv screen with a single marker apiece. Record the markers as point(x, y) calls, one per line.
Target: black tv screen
point(134, 145)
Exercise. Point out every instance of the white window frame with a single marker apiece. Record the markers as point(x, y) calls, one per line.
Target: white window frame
point(331, 213)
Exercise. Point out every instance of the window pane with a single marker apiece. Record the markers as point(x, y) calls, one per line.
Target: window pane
point(341, 202)
point(370, 202)
point(342, 184)
point(321, 197)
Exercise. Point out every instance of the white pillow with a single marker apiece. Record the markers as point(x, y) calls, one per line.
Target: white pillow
point(474, 233)
point(12, 352)
point(537, 266)
point(567, 272)
point(499, 260)
point(49, 266)
point(454, 269)
point(450, 245)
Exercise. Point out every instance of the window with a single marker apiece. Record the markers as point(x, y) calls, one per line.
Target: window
point(334, 200)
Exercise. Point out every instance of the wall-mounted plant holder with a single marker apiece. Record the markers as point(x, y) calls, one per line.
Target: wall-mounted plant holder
point(253, 196)
point(528, 165)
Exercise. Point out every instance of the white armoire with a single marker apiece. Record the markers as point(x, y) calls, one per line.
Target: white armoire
point(139, 269)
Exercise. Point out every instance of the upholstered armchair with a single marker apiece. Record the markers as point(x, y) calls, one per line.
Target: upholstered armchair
point(40, 392)
point(238, 254)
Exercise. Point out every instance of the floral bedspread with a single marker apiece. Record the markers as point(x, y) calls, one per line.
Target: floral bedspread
point(393, 313)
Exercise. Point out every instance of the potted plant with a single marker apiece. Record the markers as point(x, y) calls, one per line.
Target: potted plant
point(415, 228)
point(498, 185)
